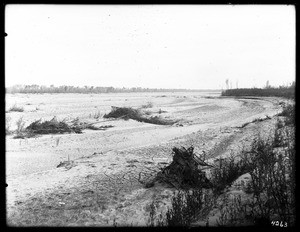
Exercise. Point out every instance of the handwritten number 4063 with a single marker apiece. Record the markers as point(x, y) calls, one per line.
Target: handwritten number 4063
point(279, 223)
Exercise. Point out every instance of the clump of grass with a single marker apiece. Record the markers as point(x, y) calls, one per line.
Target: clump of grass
point(7, 125)
point(21, 132)
point(152, 211)
point(20, 125)
point(226, 172)
point(289, 113)
point(255, 120)
point(135, 114)
point(96, 115)
point(278, 140)
point(185, 207)
point(148, 105)
point(16, 108)
point(272, 180)
point(232, 211)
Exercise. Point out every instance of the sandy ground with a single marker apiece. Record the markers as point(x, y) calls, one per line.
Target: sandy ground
point(101, 187)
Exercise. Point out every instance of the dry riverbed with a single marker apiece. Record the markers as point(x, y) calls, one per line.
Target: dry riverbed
point(100, 186)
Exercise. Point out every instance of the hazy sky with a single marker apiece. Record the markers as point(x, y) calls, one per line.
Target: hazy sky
point(160, 46)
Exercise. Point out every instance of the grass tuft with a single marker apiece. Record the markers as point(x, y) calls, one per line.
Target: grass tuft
point(226, 172)
point(7, 125)
point(289, 113)
point(148, 105)
point(16, 108)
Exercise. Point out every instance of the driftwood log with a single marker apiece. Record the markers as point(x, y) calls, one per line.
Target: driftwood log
point(184, 171)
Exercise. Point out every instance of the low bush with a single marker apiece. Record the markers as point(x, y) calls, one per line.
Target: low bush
point(186, 204)
point(232, 211)
point(7, 125)
point(272, 180)
point(20, 125)
point(289, 113)
point(16, 108)
point(148, 105)
point(229, 170)
point(123, 112)
point(96, 115)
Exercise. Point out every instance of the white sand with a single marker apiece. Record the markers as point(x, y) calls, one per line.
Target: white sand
point(127, 148)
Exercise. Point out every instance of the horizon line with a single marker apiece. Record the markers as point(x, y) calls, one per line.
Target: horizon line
point(94, 86)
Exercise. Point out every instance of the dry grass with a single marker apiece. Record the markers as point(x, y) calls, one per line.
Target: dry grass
point(7, 125)
point(148, 105)
point(16, 108)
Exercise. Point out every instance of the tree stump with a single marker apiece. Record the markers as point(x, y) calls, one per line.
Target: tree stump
point(183, 172)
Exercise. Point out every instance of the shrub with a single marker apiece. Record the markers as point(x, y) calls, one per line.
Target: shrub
point(151, 220)
point(20, 131)
point(272, 186)
point(7, 125)
point(186, 204)
point(148, 105)
point(289, 113)
point(229, 170)
point(20, 125)
point(16, 108)
point(97, 115)
point(278, 140)
point(232, 211)
point(272, 180)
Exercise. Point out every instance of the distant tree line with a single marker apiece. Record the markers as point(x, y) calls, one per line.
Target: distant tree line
point(85, 89)
point(268, 91)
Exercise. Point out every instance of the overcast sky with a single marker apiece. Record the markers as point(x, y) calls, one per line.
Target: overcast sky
point(155, 46)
